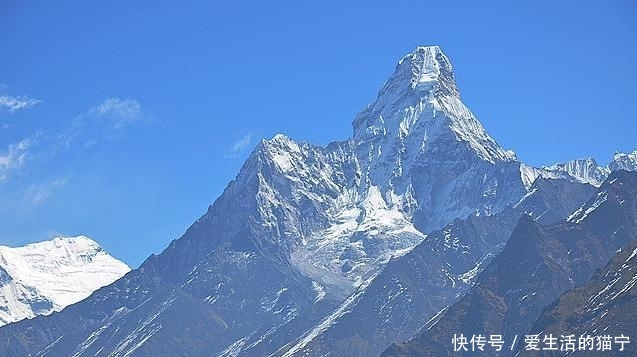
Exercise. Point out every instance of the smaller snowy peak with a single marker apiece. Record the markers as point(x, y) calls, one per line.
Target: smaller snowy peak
point(278, 142)
point(529, 174)
point(62, 246)
point(622, 161)
point(279, 139)
point(40, 278)
point(583, 170)
point(284, 152)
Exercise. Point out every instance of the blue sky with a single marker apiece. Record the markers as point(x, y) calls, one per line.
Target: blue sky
point(124, 120)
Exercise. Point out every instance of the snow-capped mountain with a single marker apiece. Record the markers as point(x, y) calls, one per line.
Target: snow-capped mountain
point(585, 170)
point(581, 170)
point(418, 140)
point(320, 221)
point(622, 161)
point(305, 237)
point(48, 276)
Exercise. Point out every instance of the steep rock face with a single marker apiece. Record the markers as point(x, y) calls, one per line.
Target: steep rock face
point(536, 265)
point(198, 296)
point(41, 278)
point(551, 200)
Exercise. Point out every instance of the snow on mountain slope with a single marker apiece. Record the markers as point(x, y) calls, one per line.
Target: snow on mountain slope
point(418, 159)
point(44, 277)
point(413, 288)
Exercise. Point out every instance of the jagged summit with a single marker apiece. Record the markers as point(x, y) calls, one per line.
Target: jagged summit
point(418, 111)
point(423, 71)
point(428, 65)
point(583, 170)
point(623, 161)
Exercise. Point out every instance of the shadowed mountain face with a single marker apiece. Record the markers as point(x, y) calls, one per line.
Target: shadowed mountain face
point(537, 265)
point(551, 200)
point(605, 305)
point(414, 288)
point(342, 248)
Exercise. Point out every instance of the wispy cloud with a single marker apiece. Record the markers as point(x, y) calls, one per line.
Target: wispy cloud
point(240, 145)
point(117, 113)
point(38, 193)
point(14, 157)
point(107, 120)
point(104, 121)
point(13, 104)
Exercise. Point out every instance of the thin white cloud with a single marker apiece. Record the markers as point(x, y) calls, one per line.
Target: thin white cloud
point(106, 120)
point(239, 146)
point(38, 193)
point(13, 104)
point(117, 112)
point(14, 157)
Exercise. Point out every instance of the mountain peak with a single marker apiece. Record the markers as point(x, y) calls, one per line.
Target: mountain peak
point(424, 72)
point(43, 277)
point(583, 170)
point(78, 241)
point(623, 161)
point(428, 67)
point(419, 107)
